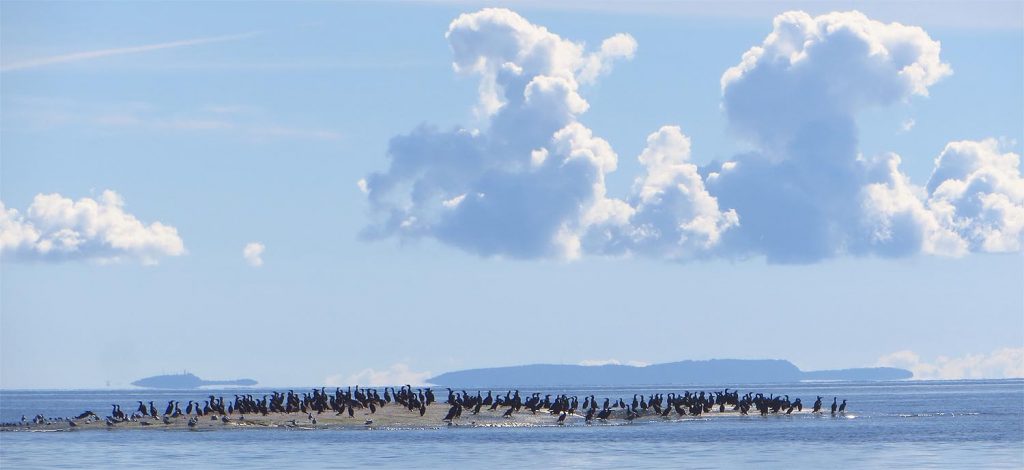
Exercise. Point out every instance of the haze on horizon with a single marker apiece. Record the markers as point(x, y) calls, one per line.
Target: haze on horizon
point(378, 193)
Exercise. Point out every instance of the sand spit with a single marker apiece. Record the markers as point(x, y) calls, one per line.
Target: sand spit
point(388, 417)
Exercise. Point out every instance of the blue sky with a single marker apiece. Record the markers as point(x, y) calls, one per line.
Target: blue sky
point(254, 122)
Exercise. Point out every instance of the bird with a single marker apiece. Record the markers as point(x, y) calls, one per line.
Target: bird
point(842, 407)
point(561, 418)
point(631, 415)
point(452, 412)
point(834, 406)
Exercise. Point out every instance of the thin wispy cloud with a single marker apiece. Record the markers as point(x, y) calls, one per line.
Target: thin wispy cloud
point(35, 114)
point(297, 65)
point(89, 55)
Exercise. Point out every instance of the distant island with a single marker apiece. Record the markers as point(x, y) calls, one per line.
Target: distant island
point(714, 371)
point(187, 381)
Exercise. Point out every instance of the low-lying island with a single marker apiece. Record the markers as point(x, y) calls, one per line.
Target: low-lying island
point(407, 408)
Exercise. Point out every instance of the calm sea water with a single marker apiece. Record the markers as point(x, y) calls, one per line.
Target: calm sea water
point(959, 424)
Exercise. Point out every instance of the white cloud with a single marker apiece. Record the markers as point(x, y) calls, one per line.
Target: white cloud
point(615, 362)
point(96, 54)
point(999, 364)
point(977, 191)
point(56, 228)
point(396, 374)
point(530, 182)
point(600, 62)
point(504, 48)
point(907, 125)
point(796, 98)
point(253, 254)
point(675, 214)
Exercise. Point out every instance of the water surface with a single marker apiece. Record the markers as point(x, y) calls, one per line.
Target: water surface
point(958, 424)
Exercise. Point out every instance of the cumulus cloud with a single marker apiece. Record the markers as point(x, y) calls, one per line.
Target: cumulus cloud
point(806, 193)
point(1000, 364)
point(531, 182)
point(396, 374)
point(976, 190)
point(253, 254)
point(56, 228)
point(612, 362)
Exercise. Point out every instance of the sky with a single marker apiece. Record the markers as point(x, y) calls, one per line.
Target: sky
point(339, 193)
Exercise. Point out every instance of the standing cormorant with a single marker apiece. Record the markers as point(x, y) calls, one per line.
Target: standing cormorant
point(452, 412)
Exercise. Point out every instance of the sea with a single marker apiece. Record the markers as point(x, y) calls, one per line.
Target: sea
point(909, 424)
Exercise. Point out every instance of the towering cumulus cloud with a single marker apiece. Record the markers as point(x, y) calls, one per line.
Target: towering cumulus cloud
point(55, 228)
point(531, 182)
point(808, 194)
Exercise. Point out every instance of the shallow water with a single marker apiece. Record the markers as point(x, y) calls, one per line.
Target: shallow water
point(962, 424)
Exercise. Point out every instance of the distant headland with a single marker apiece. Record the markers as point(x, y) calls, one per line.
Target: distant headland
point(714, 371)
point(185, 381)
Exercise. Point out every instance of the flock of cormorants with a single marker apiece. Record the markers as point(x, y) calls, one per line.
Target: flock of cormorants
point(347, 402)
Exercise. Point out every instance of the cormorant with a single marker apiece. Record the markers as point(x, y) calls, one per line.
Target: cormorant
point(452, 412)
